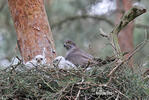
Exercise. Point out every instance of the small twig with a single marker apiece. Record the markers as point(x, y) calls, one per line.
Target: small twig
point(18, 58)
point(78, 95)
point(56, 66)
point(72, 89)
point(61, 91)
point(103, 85)
point(109, 81)
point(119, 92)
point(117, 97)
point(103, 34)
point(79, 90)
point(47, 84)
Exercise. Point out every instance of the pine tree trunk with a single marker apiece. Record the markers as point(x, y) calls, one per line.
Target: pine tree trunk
point(32, 28)
point(126, 35)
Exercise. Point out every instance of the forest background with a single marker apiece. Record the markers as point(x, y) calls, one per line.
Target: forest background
point(66, 23)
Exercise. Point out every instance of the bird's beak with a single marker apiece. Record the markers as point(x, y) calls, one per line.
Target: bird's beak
point(64, 44)
point(54, 61)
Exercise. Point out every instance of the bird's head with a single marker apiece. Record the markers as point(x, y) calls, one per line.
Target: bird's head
point(68, 44)
point(58, 59)
point(39, 59)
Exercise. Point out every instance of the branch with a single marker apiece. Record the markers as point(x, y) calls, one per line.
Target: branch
point(128, 17)
point(141, 26)
point(3, 4)
point(138, 47)
point(100, 18)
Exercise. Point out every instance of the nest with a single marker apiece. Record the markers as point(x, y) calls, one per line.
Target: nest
point(46, 83)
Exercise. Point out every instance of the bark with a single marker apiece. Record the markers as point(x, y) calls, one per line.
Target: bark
point(32, 28)
point(126, 35)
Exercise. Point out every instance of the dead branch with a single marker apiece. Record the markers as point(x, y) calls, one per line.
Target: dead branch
point(141, 26)
point(127, 17)
point(138, 47)
point(99, 18)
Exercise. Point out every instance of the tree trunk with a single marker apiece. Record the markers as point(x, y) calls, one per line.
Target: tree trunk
point(32, 28)
point(126, 35)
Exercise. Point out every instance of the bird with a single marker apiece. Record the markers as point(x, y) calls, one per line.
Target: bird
point(40, 60)
point(36, 61)
point(62, 63)
point(81, 58)
point(76, 55)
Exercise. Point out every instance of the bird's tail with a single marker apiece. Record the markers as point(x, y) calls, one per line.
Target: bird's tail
point(101, 62)
point(107, 60)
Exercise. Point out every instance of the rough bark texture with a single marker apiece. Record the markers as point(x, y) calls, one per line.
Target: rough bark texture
point(126, 35)
point(33, 30)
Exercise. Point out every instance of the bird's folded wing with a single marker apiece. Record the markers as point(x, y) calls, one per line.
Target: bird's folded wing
point(78, 57)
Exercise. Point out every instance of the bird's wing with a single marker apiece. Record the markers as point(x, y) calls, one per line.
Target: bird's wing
point(85, 54)
point(78, 57)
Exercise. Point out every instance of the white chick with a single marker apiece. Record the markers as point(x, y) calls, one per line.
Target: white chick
point(37, 61)
point(62, 63)
point(40, 60)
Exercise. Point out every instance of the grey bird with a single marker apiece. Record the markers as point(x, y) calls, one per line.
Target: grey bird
point(76, 55)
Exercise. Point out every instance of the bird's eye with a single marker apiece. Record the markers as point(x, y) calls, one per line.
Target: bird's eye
point(68, 42)
point(55, 61)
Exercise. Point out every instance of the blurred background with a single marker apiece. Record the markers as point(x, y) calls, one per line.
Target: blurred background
point(80, 21)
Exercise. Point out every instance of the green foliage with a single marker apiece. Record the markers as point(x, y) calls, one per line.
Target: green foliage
point(83, 31)
point(17, 82)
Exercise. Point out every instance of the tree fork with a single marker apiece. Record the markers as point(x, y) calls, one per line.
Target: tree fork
point(32, 28)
